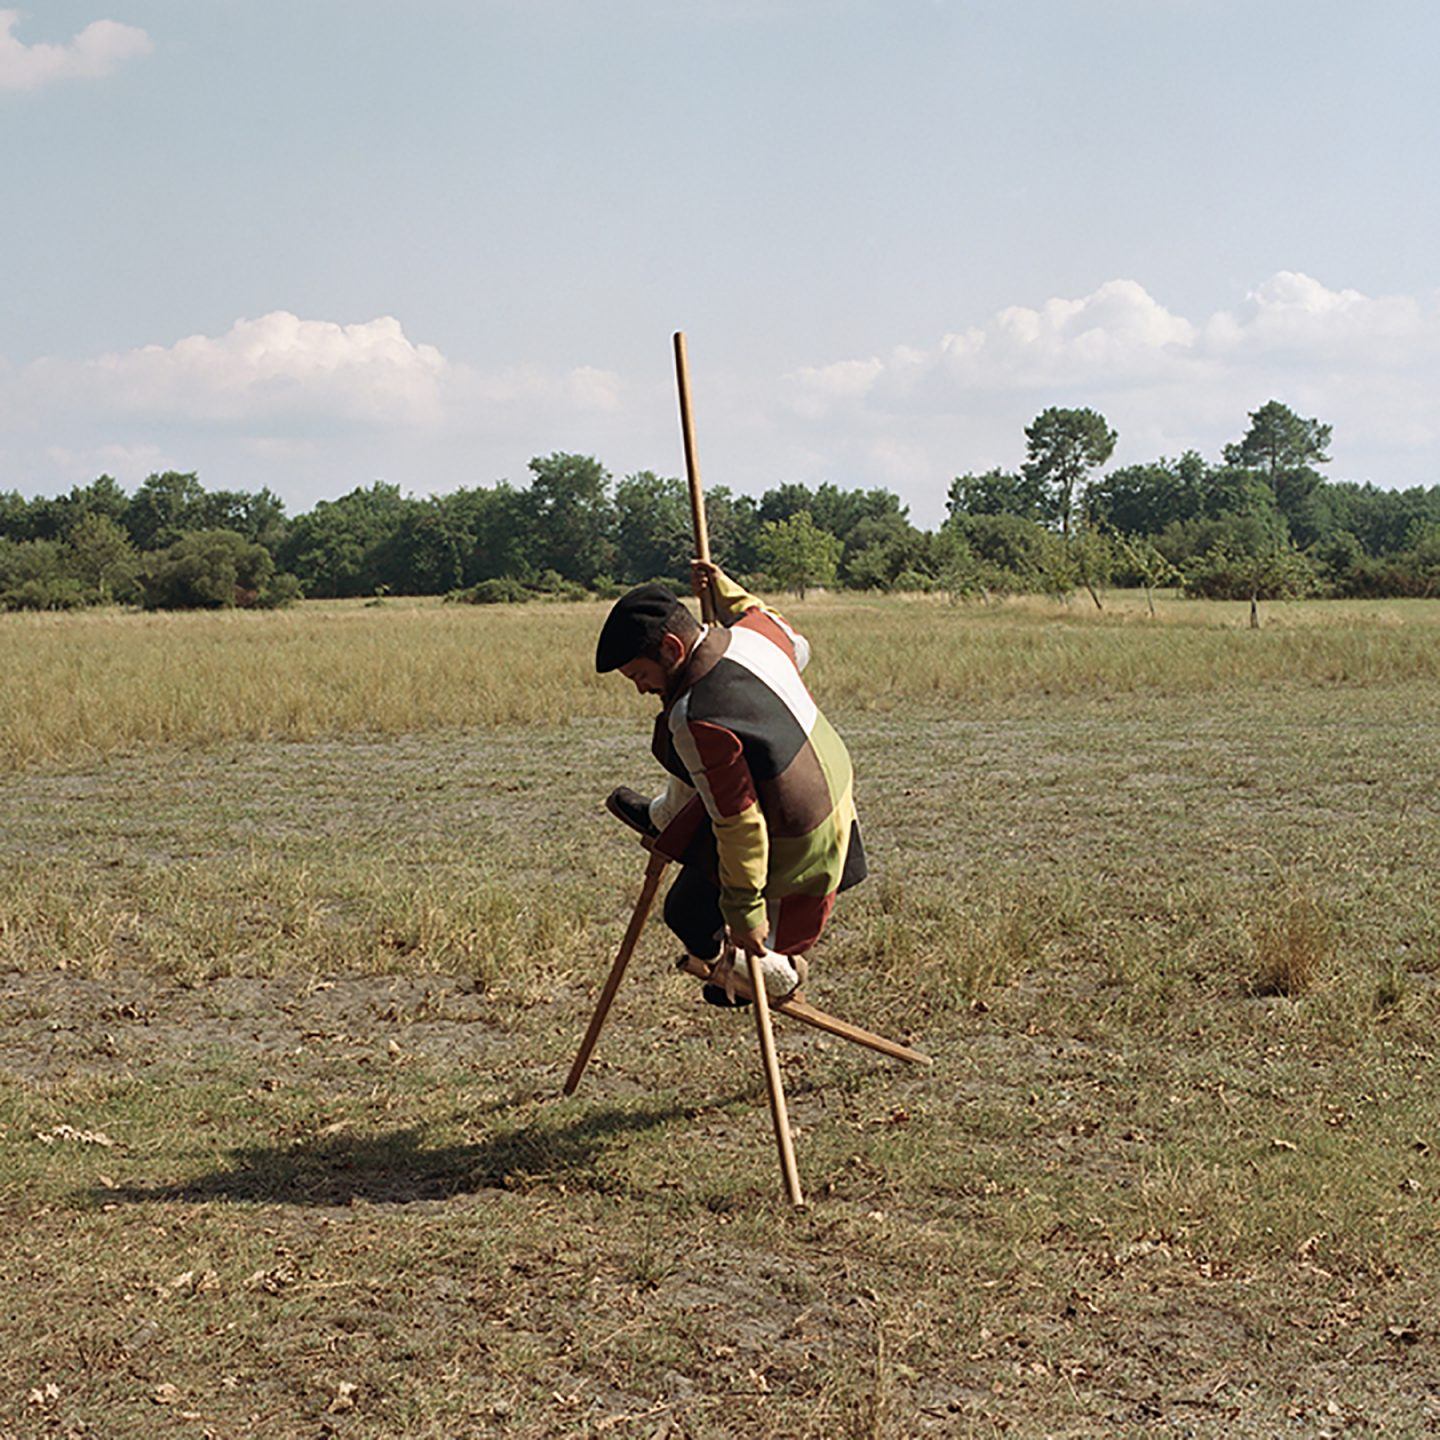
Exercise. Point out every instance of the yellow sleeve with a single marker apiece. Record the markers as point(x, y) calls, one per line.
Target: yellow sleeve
point(732, 600)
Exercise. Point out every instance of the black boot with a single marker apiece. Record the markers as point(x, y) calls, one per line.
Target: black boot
point(633, 808)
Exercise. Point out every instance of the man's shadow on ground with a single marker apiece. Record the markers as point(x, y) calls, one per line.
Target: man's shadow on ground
point(396, 1167)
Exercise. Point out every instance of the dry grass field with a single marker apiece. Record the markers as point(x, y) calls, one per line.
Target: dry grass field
point(302, 917)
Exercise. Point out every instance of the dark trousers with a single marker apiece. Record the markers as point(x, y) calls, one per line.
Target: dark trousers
point(692, 911)
point(692, 906)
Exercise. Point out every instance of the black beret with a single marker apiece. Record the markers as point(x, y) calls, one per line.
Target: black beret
point(634, 625)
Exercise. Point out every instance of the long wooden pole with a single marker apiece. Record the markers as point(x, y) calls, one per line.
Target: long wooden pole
point(638, 918)
point(708, 612)
point(692, 470)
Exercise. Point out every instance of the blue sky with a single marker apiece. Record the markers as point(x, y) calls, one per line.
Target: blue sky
point(313, 244)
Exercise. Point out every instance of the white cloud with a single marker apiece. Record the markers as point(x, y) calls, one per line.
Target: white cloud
point(1292, 312)
point(276, 368)
point(98, 50)
point(1368, 365)
point(279, 375)
point(308, 406)
point(108, 459)
point(530, 387)
point(1116, 334)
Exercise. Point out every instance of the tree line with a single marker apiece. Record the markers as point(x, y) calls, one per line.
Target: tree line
point(1260, 523)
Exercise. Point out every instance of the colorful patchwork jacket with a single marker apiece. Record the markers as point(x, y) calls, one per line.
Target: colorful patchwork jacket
point(774, 777)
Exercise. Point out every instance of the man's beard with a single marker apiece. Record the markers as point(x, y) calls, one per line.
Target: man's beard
point(672, 676)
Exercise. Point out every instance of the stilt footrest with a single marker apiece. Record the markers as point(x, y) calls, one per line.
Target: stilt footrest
point(807, 1014)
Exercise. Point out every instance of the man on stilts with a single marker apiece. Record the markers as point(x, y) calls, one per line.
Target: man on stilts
point(759, 808)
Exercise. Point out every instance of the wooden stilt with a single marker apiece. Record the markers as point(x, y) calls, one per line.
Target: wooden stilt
point(641, 913)
point(779, 1115)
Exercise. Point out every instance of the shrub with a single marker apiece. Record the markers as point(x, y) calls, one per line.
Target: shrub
point(279, 591)
point(500, 591)
point(1010, 552)
point(797, 554)
point(206, 570)
point(1294, 947)
point(1278, 574)
point(59, 592)
point(913, 581)
point(34, 576)
point(100, 556)
point(554, 585)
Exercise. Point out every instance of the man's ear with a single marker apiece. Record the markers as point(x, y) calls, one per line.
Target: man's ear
point(672, 649)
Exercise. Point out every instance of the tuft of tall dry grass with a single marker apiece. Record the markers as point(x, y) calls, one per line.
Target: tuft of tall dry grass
point(1294, 947)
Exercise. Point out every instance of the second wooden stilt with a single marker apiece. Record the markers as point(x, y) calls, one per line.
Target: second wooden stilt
point(779, 1115)
point(641, 913)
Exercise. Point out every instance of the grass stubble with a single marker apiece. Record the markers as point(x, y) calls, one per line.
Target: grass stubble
point(282, 1028)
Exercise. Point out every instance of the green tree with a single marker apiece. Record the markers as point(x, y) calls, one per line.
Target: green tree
point(504, 529)
point(14, 515)
point(1382, 520)
point(734, 525)
point(574, 516)
point(780, 502)
point(1144, 499)
point(1252, 559)
point(830, 508)
point(1094, 559)
point(37, 519)
point(1337, 556)
point(653, 530)
point(333, 549)
point(997, 492)
point(880, 549)
point(1059, 566)
point(1011, 552)
point(959, 572)
point(797, 554)
point(424, 553)
point(102, 496)
point(1062, 447)
point(1284, 448)
point(1278, 440)
point(164, 508)
point(1144, 564)
point(102, 559)
point(34, 576)
point(259, 517)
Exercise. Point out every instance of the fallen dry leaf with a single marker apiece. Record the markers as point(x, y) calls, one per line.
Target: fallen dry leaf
point(69, 1132)
point(344, 1397)
point(274, 1280)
